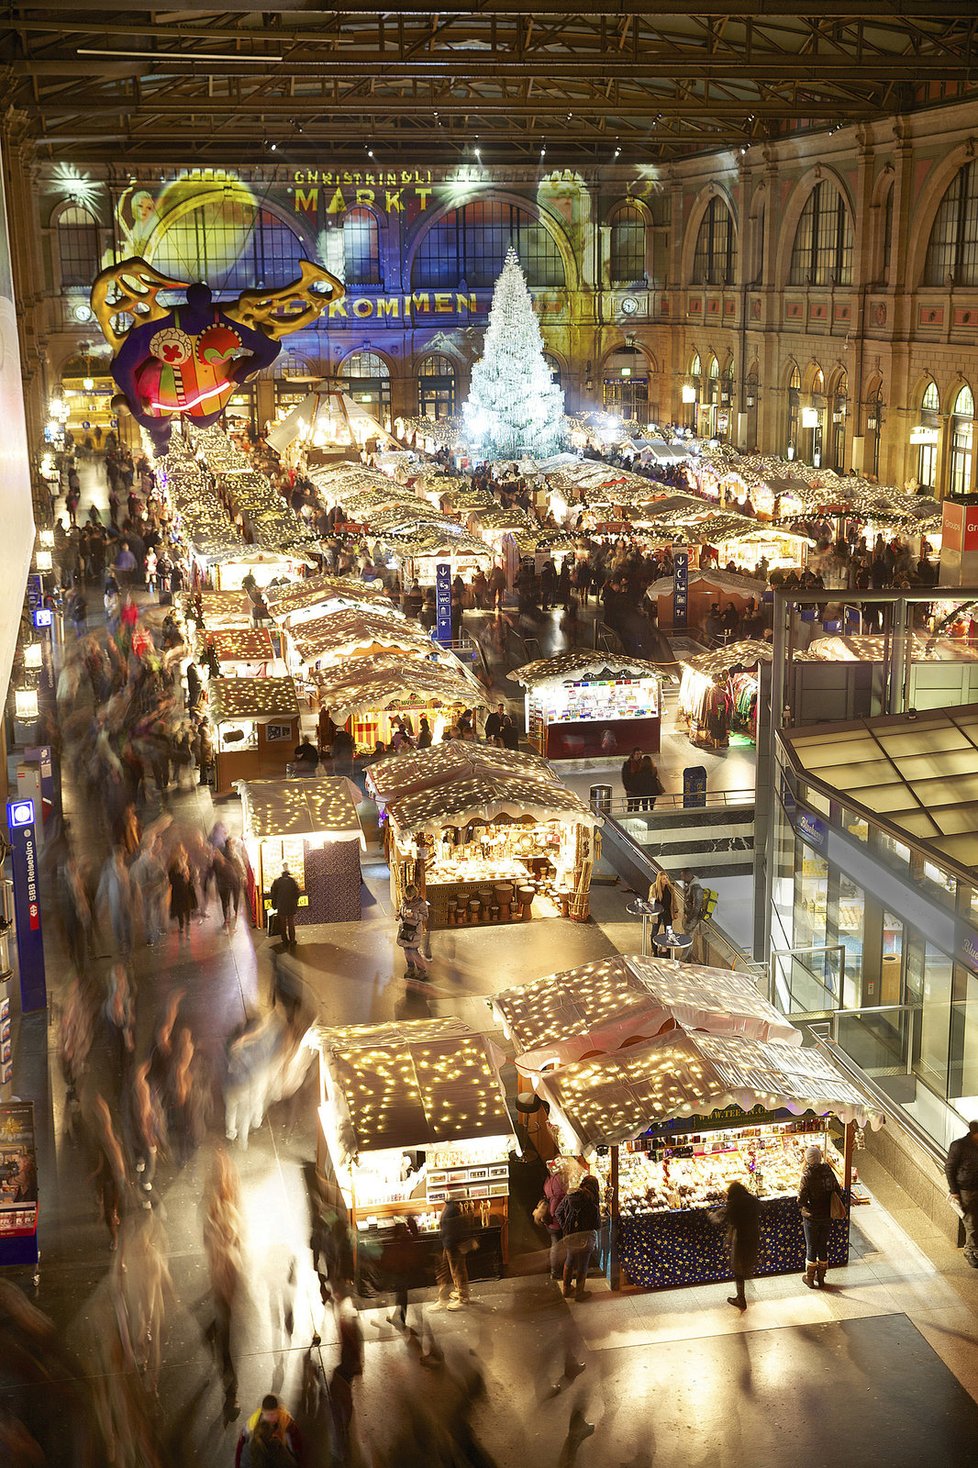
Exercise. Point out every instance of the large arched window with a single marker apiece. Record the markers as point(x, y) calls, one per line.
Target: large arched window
point(78, 246)
point(794, 413)
point(715, 257)
point(627, 245)
point(436, 387)
point(822, 252)
point(211, 245)
point(367, 379)
point(554, 365)
point(361, 248)
point(962, 441)
point(469, 244)
point(953, 248)
point(928, 431)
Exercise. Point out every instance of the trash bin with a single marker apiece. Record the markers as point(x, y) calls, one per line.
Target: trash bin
point(600, 796)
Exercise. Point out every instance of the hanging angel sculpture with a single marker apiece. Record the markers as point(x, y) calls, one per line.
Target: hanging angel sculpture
point(175, 361)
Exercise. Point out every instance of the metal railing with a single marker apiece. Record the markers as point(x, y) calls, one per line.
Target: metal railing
point(674, 800)
point(802, 991)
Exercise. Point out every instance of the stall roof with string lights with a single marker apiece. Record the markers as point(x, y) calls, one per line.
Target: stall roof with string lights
point(345, 633)
point(746, 653)
point(487, 799)
point(324, 808)
point(407, 774)
point(287, 601)
point(583, 663)
point(252, 698)
point(219, 608)
point(240, 644)
point(386, 682)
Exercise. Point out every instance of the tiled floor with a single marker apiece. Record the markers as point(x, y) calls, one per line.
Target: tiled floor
point(880, 1368)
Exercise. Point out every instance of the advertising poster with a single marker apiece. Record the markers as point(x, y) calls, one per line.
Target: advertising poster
point(18, 1174)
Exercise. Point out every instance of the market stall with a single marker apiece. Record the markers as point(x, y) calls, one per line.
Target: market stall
point(684, 1116)
point(583, 704)
point(205, 609)
point(227, 570)
point(411, 1115)
point(704, 588)
point(256, 728)
point(487, 848)
point(345, 635)
point(407, 774)
point(312, 826)
point(241, 652)
point(718, 692)
point(369, 694)
point(315, 596)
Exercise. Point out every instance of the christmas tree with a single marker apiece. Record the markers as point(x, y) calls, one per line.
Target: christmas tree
point(513, 406)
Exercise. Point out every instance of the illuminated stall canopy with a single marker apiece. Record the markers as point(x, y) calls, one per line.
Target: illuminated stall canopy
point(317, 595)
point(223, 609)
point(391, 682)
point(589, 703)
point(324, 809)
point(421, 769)
point(341, 635)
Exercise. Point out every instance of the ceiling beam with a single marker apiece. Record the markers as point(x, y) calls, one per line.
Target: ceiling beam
point(24, 15)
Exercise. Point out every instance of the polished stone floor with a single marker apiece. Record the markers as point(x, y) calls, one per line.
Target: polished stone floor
point(880, 1368)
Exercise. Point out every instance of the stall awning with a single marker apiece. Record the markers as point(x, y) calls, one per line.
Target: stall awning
point(251, 698)
point(219, 608)
point(301, 807)
point(874, 648)
point(240, 644)
point(615, 1002)
point(340, 634)
point(391, 681)
point(283, 601)
point(411, 1090)
point(746, 653)
point(580, 664)
point(422, 769)
point(487, 799)
point(614, 1098)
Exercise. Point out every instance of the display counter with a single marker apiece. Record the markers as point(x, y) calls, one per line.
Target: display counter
point(580, 707)
point(670, 1182)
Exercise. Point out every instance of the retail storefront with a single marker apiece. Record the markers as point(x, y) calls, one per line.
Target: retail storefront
point(412, 1115)
point(311, 826)
point(581, 705)
point(718, 692)
point(874, 900)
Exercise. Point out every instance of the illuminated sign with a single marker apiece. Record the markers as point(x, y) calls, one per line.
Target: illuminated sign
point(43, 617)
point(20, 812)
point(922, 434)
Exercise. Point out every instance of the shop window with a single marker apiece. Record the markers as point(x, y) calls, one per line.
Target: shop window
point(78, 246)
point(715, 256)
point(626, 385)
point(822, 250)
point(952, 254)
point(436, 387)
point(627, 245)
point(212, 245)
point(469, 244)
point(931, 1063)
point(366, 377)
point(962, 442)
point(361, 247)
point(846, 927)
point(963, 1070)
point(930, 409)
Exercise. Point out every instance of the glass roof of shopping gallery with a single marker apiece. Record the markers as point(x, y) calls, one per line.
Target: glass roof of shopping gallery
point(915, 774)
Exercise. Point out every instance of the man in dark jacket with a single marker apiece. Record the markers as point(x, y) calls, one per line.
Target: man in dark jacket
point(453, 1270)
point(961, 1171)
point(579, 1217)
point(631, 778)
point(285, 900)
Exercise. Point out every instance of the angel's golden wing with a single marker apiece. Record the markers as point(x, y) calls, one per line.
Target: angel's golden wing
point(279, 312)
point(133, 287)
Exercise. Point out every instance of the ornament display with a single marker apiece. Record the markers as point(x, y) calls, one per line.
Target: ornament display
point(187, 360)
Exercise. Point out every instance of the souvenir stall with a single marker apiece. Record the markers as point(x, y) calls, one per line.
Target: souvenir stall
point(668, 1124)
point(584, 704)
point(256, 728)
point(718, 691)
point(705, 588)
point(241, 652)
point(747, 544)
point(369, 694)
point(494, 847)
point(327, 424)
point(418, 549)
point(311, 825)
point(412, 1115)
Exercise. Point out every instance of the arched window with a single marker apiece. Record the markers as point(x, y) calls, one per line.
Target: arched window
point(367, 379)
point(713, 381)
point(822, 252)
point(962, 441)
point(928, 431)
point(715, 256)
point(627, 245)
point(211, 245)
point(840, 415)
point(626, 385)
point(436, 387)
point(554, 365)
point(78, 246)
point(469, 244)
point(361, 248)
point(953, 247)
point(794, 412)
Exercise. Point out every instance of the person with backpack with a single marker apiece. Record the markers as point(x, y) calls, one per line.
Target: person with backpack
point(270, 1438)
point(699, 903)
point(816, 1191)
point(579, 1218)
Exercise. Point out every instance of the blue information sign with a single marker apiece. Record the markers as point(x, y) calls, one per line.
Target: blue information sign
point(35, 592)
point(27, 905)
point(680, 587)
point(694, 786)
point(443, 602)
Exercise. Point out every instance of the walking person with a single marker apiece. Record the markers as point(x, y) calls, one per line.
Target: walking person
point(183, 898)
point(272, 1423)
point(579, 1217)
point(225, 1262)
point(631, 779)
point(285, 900)
point(961, 1171)
point(452, 1269)
point(742, 1219)
point(818, 1186)
point(412, 929)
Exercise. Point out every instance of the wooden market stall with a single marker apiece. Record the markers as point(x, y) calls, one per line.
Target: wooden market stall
point(226, 570)
point(411, 1115)
point(315, 596)
point(719, 690)
point(485, 848)
point(205, 609)
point(583, 704)
point(313, 826)
point(256, 728)
point(346, 635)
point(407, 774)
point(241, 652)
point(370, 693)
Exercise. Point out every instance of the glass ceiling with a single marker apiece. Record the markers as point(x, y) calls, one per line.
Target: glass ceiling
point(917, 773)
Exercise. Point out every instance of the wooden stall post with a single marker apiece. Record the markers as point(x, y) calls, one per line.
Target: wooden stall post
point(615, 1260)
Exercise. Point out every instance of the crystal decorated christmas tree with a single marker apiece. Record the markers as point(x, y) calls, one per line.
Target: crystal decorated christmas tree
point(513, 407)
